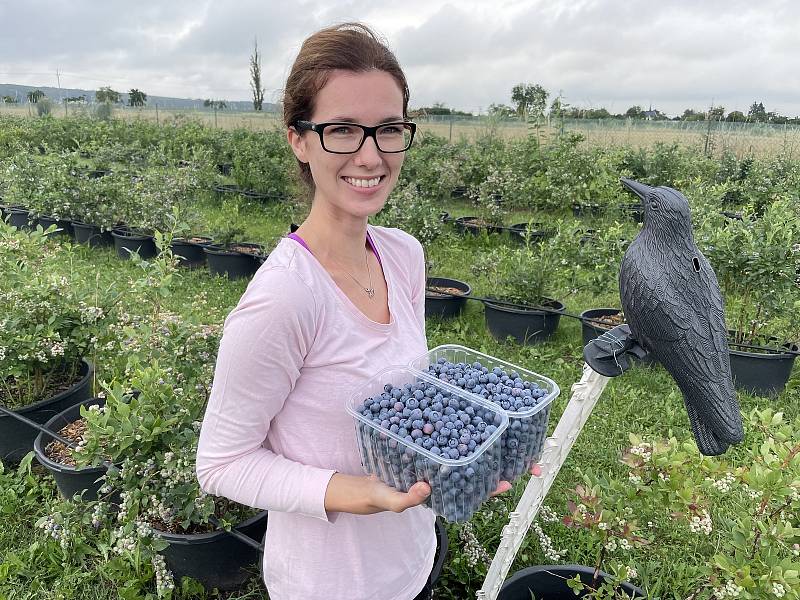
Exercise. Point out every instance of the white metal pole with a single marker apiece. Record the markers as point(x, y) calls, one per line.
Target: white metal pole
point(585, 394)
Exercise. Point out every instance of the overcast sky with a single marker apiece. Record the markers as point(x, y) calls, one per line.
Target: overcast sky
point(467, 54)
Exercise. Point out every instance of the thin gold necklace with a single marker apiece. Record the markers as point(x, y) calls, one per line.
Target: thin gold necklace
point(369, 290)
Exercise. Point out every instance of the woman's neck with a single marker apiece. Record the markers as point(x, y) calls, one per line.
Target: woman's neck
point(337, 236)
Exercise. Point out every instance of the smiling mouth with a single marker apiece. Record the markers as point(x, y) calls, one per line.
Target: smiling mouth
point(364, 183)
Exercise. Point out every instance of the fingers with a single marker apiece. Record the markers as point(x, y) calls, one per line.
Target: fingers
point(536, 470)
point(502, 487)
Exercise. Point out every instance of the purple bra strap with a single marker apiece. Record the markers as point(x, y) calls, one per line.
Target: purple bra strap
point(302, 242)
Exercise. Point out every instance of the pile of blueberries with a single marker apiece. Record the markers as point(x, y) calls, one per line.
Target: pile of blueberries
point(452, 427)
point(522, 442)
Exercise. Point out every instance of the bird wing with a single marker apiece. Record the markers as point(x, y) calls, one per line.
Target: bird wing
point(678, 314)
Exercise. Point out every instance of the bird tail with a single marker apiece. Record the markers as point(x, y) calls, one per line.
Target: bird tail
point(717, 424)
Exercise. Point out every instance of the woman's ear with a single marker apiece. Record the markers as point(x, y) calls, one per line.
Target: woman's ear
point(298, 144)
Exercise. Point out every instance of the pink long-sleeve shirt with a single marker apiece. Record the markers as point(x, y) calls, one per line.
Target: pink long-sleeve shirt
point(276, 430)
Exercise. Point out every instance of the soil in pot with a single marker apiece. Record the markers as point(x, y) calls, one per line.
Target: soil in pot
point(57, 458)
point(191, 251)
point(762, 373)
point(439, 303)
point(603, 320)
point(214, 558)
point(536, 232)
point(474, 225)
point(127, 241)
point(92, 235)
point(240, 260)
point(550, 583)
point(16, 438)
point(526, 326)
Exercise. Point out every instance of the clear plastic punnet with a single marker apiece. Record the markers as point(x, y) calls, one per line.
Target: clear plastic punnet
point(458, 485)
point(523, 441)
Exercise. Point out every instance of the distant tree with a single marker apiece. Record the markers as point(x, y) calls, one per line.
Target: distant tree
point(716, 113)
point(255, 78)
point(736, 116)
point(502, 111)
point(106, 94)
point(136, 98)
point(9, 100)
point(757, 112)
point(215, 104)
point(76, 99)
point(35, 95)
point(692, 115)
point(531, 100)
point(558, 108)
point(635, 112)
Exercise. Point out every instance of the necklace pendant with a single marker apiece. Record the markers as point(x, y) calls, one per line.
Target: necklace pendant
point(370, 292)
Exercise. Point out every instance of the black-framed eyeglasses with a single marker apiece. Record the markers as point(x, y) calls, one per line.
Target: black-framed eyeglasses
point(347, 138)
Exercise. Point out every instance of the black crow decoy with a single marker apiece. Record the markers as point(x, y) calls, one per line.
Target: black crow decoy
point(674, 309)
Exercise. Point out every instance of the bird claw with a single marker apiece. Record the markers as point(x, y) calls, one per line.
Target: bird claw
point(612, 353)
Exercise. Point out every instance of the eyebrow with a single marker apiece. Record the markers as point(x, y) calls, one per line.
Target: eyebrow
point(353, 120)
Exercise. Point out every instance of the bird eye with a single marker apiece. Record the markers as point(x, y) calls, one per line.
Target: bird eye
point(654, 204)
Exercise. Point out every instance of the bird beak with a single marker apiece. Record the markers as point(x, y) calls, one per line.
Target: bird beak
point(640, 189)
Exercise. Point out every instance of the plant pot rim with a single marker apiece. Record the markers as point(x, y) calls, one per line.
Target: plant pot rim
point(186, 241)
point(130, 234)
point(39, 443)
point(219, 250)
point(192, 539)
point(535, 569)
point(464, 286)
point(776, 353)
point(548, 302)
point(85, 364)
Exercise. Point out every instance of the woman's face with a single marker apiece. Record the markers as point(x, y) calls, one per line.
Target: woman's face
point(367, 98)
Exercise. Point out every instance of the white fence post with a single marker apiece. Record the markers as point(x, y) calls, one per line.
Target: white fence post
point(585, 394)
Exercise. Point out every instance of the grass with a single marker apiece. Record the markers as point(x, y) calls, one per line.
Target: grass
point(644, 401)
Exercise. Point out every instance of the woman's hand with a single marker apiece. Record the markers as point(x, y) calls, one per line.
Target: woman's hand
point(366, 495)
point(504, 486)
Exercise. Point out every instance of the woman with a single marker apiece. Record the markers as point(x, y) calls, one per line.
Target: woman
point(335, 303)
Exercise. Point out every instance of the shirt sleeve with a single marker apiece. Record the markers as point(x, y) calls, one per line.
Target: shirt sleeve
point(418, 281)
point(264, 343)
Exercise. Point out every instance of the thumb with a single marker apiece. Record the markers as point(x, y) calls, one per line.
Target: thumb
point(420, 490)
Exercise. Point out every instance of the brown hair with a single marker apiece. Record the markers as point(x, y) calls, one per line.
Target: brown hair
point(347, 46)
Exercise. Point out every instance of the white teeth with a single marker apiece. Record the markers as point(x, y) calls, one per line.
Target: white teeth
point(365, 183)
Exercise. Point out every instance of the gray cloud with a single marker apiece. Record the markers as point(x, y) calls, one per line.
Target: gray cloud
point(467, 54)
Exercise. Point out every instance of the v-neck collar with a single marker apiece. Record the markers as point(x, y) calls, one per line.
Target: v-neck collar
point(344, 299)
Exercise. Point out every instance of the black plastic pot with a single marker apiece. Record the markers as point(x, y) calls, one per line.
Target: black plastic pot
point(762, 374)
point(191, 252)
point(446, 307)
point(92, 235)
point(586, 210)
point(98, 173)
point(126, 242)
point(70, 480)
point(635, 211)
point(465, 225)
point(21, 219)
point(458, 192)
point(549, 582)
point(534, 231)
point(16, 438)
point(63, 224)
point(442, 546)
point(231, 264)
point(524, 325)
point(591, 331)
point(217, 559)
point(5, 209)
